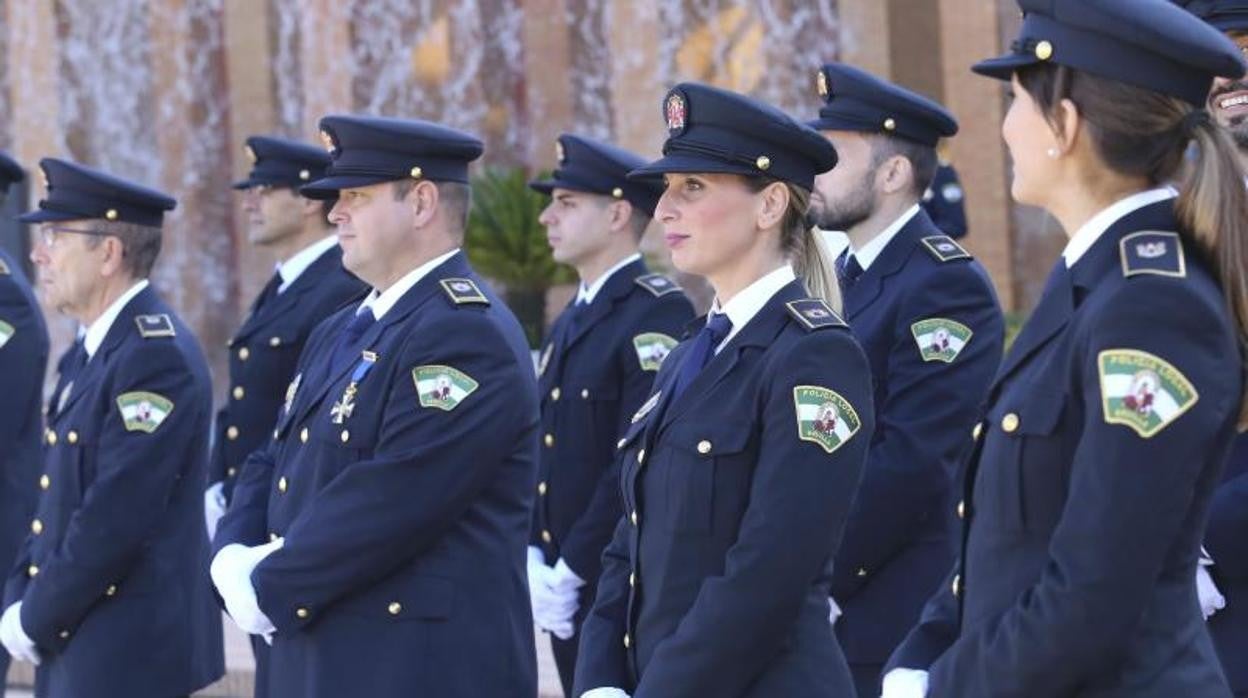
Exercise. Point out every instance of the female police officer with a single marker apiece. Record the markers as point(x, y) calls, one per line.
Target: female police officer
point(739, 470)
point(1109, 423)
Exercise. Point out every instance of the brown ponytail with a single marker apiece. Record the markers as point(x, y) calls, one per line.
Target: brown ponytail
point(812, 261)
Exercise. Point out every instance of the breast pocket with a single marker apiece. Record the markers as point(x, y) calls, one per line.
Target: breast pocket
point(705, 473)
point(1027, 457)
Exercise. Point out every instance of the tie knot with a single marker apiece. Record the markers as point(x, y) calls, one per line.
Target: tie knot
point(718, 325)
point(361, 322)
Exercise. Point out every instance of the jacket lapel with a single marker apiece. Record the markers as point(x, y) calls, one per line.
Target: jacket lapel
point(871, 284)
point(281, 304)
point(617, 288)
point(145, 303)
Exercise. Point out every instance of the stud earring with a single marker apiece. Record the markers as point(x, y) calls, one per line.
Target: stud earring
point(1053, 153)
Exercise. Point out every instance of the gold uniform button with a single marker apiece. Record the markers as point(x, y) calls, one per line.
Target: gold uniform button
point(50, 437)
point(301, 613)
point(546, 537)
point(239, 392)
point(641, 456)
point(111, 590)
point(549, 440)
point(704, 447)
point(345, 436)
point(395, 608)
point(890, 124)
point(303, 435)
point(541, 488)
point(36, 527)
point(979, 429)
point(633, 517)
point(585, 394)
point(72, 437)
point(282, 484)
point(275, 341)
point(44, 481)
point(244, 353)
point(555, 393)
point(962, 510)
point(231, 433)
point(64, 635)
point(32, 571)
point(862, 572)
point(231, 472)
point(1009, 423)
point(627, 641)
point(956, 587)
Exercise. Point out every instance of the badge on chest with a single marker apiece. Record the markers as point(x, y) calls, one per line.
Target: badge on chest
point(345, 406)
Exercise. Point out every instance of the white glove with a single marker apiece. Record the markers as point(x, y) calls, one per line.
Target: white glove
point(905, 683)
point(1211, 600)
point(834, 610)
point(553, 604)
point(605, 693)
point(231, 573)
point(14, 637)
point(214, 507)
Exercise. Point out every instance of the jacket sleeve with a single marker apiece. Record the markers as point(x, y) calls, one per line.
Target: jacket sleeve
point(740, 619)
point(582, 546)
point(601, 661)
point(437, 458)
point(136, 472)
point(924, 423)
point(936, 630)
point(1129, 498)
point(1226, 537)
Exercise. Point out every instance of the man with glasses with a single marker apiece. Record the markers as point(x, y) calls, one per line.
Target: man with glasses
point(23, 360)
point(108, 596)
point(308, 285)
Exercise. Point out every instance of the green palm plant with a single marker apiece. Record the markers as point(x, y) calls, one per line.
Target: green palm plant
point(505, 242)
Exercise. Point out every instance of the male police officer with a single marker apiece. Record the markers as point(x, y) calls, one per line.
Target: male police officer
point(594, 373)
point(23, 360)
point(109, 596)
point(398, 487)
point(930, 324)
point(307, 287)
point(1222, 578)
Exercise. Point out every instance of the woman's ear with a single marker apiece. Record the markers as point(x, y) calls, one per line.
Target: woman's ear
point(1067, 125)
point(774, 202)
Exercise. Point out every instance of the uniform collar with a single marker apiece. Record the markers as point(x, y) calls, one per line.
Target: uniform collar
point(381, 303)
point(98, 330)
point(1090, 232)
point(299, 262)
point(872, 250)
point(587, 294)
point(746, 304)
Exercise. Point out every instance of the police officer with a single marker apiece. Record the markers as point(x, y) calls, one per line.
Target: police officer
point(739, 470)
point(1108, 424)
point(931, 326)
point(308, 285)
point(23, 360)
point(1223, 576)
point(109, 597)
point(379, 538)
point(594, 373)
point(945, 201)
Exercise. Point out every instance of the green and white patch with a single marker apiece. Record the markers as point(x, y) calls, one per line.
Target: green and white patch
point(824, 417)
point(652, 348)
point(6, 333)
point(940, 339)
point(1142, 391)
point(143, 411)
point(442, 387)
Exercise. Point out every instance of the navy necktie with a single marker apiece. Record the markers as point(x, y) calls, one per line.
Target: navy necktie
point(268, 293)
point(349, 340)
point(700, 352)
point(848, 270)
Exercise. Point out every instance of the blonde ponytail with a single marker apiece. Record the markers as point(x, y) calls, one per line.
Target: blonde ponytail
point(816, 266)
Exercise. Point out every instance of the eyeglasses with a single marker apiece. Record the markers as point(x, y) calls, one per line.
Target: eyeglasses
point(48, 233)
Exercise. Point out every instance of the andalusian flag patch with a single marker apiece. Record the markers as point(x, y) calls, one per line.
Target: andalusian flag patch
point(940, 339)
point(143, 411)
point(1142, 391)
point(442, 387)
point(652, 348)
point(6, 332)
point(824, 417)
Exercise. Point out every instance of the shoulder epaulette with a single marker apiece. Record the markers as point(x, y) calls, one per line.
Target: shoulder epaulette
point(1152, 252)
point(464, 291)
point(4, 268)
point(657, 284)
point(944, 249)
point(814, 314)
point(150, 326)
